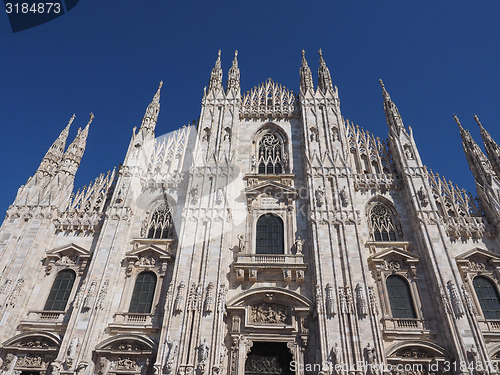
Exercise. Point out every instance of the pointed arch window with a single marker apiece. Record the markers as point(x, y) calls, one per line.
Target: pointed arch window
point(382, 223)
point(143, 294)
point(271, 156)
point(270, 235)
point(487, 296)
point(160, 224)
point(60, 291)
point(400, 298)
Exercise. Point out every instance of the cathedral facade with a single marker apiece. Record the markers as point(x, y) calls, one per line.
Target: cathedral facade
point(270, 237)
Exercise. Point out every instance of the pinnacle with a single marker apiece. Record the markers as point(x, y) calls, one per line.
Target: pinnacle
point(478, 122)
point(458, 122)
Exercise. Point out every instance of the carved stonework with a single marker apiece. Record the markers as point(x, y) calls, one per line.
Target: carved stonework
point(456, 301)
point(330, 300)
point(270, 313)
point(16, 291)
point(361, 300)
point(209, 298)
point(373, 300)
point(179, 299)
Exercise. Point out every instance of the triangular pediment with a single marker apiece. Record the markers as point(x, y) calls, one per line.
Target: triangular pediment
point(478, 253)
point(146, 250)
point(394, 253)
point(68, 250)
point(269, 186)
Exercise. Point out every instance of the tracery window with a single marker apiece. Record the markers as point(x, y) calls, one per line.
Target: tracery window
point(160, 224)
point(400, 298)
point(270, 154)
point(487, 296)
point(270, 235)
point(143, 294)
point(60, 291)
point(382, 224)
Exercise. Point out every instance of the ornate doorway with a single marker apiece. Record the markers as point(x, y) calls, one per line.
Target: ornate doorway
point(271, 358)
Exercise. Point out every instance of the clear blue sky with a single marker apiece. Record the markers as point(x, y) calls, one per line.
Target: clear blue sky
point(435, 57)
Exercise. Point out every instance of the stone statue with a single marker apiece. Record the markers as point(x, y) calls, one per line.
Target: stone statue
point(203, 351)
point(241, 243)
point(370, 354)
point(320, 196)
point(336, 354)
point(298, 245)
point(55, 368)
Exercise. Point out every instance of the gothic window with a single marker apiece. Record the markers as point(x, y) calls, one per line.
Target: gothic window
point(487, 295)
point(270, 235)
point(400, 298)
point(270, 154)
point(60, 291)
point(382, 223)
point(143, 294)
point(160, 223)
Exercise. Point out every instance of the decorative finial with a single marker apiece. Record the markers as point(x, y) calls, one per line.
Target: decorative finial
point(236, 54)
point(71, 119)
point(477, 120)
point(91, 118)
point(381, 83)
point(457, 121)
point(161, 84)
point(303, 53)
point(320, 53)
point(218, 55)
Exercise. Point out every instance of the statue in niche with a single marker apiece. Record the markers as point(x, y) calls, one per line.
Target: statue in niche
point(320, 196)
point(241, 242)
point(299, 243)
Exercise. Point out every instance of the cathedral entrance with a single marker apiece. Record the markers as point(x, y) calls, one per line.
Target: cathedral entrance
point(269, 358)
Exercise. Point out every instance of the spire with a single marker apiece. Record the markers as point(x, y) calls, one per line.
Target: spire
point(73, 155)
point(151, 116)
point(233, 77)
point(478, 162)
point(324, 78)
point(306, 80)
point(55, 152)
point(215, 83)
point(492, 148)
point(392, 116)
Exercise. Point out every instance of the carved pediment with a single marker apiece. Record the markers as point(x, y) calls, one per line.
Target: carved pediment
point(415, 350)
point(33, 342)
point(270, 188)
point(68, 254)
point(126, 344)
point(477, 260)
point(394, 254)
point(148, 252)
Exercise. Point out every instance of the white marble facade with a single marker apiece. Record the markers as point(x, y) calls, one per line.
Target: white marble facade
point(355, 219)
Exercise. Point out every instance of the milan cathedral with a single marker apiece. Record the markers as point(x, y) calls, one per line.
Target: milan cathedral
point(270, 236)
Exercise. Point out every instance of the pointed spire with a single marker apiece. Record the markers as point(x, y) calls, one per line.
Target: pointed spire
point(233, 77)
point(215, 83)
point(55, 153)
point(478, 162)
point(73, 155)
point(306, 80)
point(392, 116)
point(492, 148)
point(324, 79)
point(151, 116)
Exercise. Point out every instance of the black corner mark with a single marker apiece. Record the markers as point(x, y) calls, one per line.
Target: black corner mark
point(25, 14)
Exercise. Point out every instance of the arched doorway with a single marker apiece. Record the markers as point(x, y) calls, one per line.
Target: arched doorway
point(271, 358)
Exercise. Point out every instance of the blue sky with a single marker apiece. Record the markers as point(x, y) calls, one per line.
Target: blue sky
point(436, 58)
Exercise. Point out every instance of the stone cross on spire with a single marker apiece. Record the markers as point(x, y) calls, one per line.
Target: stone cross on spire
point(151, 116)
point(306, 80)
point(324, 79)
point(233, 77)
point(215, 83)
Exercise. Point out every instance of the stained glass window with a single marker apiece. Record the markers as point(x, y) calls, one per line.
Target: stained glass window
point(487, 295)
point(143, 294)
point(270, 238)
point(60, 291)
point(400, 298)
point(270, 155)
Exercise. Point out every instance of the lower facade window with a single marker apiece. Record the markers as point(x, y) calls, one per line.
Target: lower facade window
point(400, 298)
point(143, 294)
point(487, 296)
point(60, 291)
